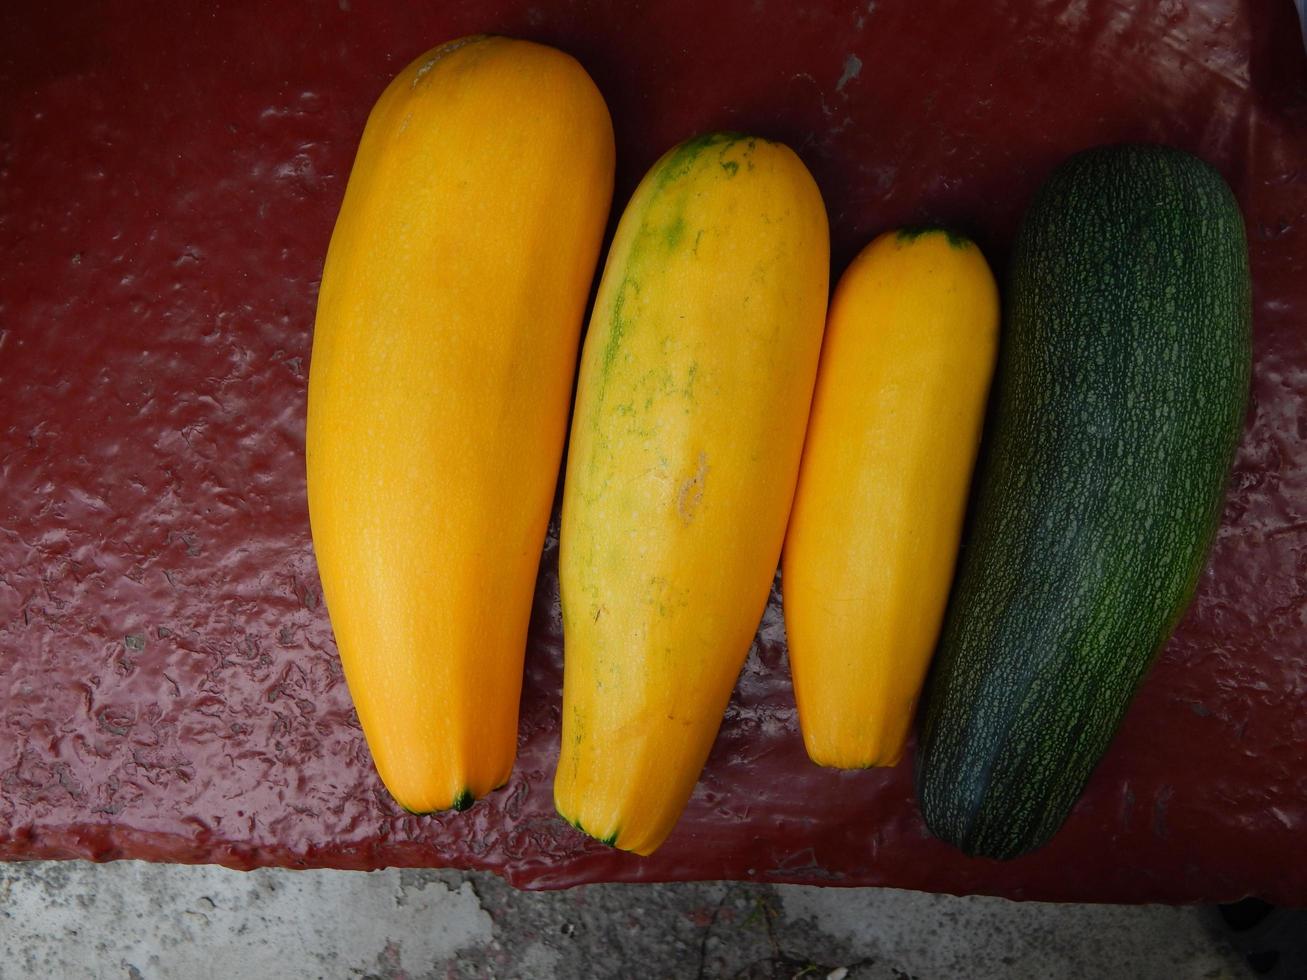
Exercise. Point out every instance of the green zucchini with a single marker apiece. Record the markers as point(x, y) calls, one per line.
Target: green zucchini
point(1122, 380)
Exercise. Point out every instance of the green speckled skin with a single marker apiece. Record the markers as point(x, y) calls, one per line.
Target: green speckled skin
point(691, 407)
point(1123, 375)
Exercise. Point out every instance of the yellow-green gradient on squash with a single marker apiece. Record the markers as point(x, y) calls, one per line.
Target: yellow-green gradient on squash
point(896, 421)
point(443, 358)
point(694, 390)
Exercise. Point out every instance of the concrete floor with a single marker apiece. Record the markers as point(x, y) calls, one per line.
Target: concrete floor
point(142, 922)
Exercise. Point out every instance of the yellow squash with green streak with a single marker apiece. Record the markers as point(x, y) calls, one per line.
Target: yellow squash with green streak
point(695, 384)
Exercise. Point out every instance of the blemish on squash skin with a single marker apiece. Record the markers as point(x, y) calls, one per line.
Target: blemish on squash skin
point(691, 492)
point(618, 329)
point(675, 232)
point(677, 165)
point(913, 232)
point(443, 52)
point(681, 160)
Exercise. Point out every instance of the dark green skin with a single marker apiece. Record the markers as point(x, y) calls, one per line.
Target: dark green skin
point(1122, 379)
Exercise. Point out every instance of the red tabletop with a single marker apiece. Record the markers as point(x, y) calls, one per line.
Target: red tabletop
point(169, 175)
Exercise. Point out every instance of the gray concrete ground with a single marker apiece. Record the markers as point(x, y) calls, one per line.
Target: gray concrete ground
point(141, 922)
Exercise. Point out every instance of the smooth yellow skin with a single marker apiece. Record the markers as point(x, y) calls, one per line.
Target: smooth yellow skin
point(695, 385)
point(443, 357)
point(892, 439)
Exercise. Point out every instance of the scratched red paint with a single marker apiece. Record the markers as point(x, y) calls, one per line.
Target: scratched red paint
point(169, 176)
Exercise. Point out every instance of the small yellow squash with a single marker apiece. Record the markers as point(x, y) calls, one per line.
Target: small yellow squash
point(443, 358)
point(896, 421)
point(695, 384)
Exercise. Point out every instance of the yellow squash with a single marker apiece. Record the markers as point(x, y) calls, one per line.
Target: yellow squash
point(443, 357)
point(695, 384)
point(896, 421)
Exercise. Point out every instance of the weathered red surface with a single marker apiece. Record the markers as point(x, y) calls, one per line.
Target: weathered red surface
point(168, 181)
